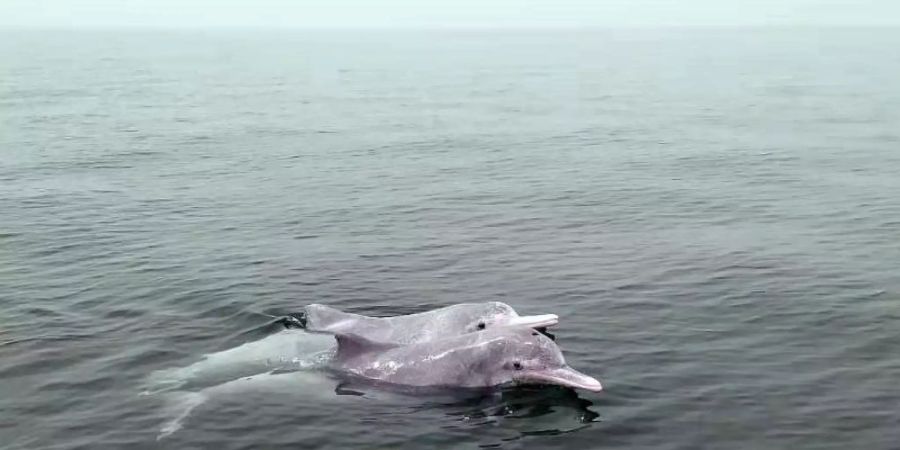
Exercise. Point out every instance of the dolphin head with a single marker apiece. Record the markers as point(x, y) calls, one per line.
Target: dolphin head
point(485, 316)
point(522, 355)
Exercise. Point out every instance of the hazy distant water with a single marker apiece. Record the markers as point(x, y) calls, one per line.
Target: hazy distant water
point(714, 214)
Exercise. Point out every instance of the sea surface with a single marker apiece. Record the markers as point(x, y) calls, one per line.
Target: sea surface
point(714, 214)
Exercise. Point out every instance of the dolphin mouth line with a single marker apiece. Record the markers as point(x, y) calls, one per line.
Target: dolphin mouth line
point(543, 320)
point(564, 376)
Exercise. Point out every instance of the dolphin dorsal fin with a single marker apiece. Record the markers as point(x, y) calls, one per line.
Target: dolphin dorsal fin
point(325, 319)
point(350, 345)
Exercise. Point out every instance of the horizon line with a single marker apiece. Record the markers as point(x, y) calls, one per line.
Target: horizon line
point(426, 27)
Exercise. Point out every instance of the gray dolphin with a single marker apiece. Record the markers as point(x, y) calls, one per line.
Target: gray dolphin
point(491, 358)
point(439, 323)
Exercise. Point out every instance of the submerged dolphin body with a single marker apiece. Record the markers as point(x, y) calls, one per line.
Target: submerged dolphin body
point(290, 349)
point(298, 386)
point(494, 357)
point(440, 323)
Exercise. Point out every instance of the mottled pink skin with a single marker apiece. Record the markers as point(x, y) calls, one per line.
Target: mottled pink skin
point(440, 323)
point(493, 357)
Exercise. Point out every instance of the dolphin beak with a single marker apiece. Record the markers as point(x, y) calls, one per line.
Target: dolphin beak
point(543, 320)
point(563, 376)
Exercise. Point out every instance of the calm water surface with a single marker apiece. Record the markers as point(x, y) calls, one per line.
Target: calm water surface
point(714, 214)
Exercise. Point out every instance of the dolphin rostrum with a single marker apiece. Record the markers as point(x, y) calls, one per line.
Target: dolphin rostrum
point(494, 357)
point(440, 323)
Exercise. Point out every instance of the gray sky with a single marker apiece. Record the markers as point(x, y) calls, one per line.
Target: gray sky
point(445, 13)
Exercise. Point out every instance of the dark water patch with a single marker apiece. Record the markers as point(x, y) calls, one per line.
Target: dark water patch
point(67, 337)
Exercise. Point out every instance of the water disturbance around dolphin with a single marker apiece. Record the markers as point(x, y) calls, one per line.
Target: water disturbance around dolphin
point(313, 367)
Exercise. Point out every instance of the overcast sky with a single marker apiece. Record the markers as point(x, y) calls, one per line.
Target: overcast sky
point(445, 13)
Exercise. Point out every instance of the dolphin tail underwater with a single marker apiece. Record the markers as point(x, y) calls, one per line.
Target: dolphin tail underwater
point(178, 406)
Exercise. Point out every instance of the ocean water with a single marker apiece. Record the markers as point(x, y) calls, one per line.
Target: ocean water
point(714, 214)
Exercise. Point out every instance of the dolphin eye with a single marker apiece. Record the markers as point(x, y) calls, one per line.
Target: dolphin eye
point(517, 365)
point(481, 325)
